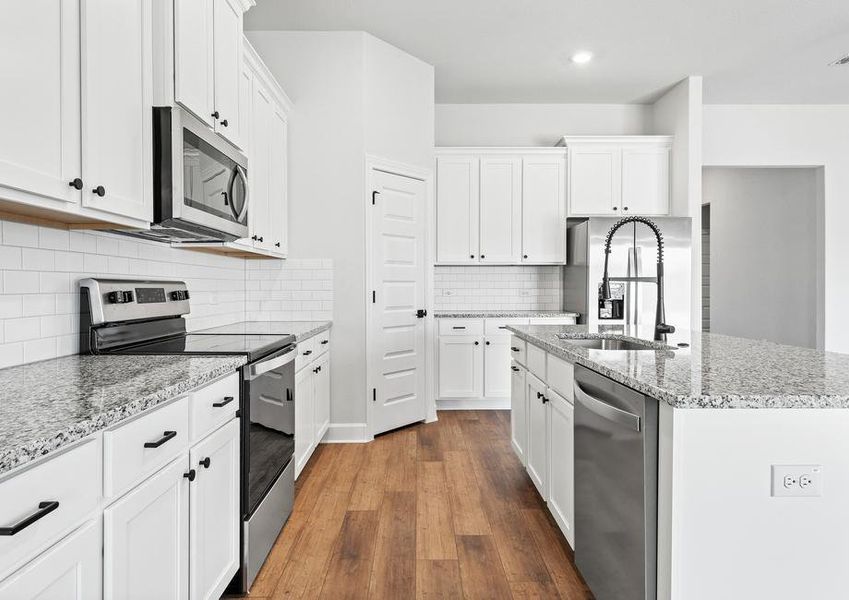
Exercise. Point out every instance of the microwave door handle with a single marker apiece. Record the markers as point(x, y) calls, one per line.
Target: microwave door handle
point(240, 173)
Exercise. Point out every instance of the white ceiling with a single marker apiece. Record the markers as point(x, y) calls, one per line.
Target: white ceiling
point(749, 51)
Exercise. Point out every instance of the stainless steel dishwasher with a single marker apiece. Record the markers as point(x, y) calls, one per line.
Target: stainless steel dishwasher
point(615, 488)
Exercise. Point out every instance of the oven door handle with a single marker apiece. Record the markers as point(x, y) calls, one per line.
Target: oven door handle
point(269, 364)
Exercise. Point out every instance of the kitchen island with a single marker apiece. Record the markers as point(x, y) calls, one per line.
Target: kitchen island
point(731, 413)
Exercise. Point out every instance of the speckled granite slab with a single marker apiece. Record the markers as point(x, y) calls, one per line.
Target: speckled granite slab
point(714, 371)
point(504, 314)
point(49, 404)
point(302, 330)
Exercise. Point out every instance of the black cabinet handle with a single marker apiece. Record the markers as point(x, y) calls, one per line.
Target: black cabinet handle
point(227, 400)
point(99, 190)
point(483, 255)
point(259, 239)
point(277, 244)
point(615, 208)
point(624, 208)
point(307, 353)
point(539, 395)
point(471, 255)
point(514, 348)
point(487, 342)
point(215, 115)
point(458, 327)
point(288, 394)
point(77, 183)
point(44, 508)
point(544, 400)
point(205, 463)
point(166, 435)
point(254, 238)
point(315, 370)
point(224, 122)
point(324, 342)
point(515, 369)
point(190, 475)
point(524, 256)
point(477, 343)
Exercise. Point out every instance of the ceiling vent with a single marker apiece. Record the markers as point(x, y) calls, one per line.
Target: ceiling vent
point(844, 60)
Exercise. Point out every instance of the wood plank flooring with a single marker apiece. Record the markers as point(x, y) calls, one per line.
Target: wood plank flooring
point(438, 510)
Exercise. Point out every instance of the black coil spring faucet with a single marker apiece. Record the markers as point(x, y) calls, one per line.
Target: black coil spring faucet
point(661, 328)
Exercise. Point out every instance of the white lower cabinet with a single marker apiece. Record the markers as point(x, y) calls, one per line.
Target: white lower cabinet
point(518, 412)
point(321, 396)
point(312, 397)
point(146, 538)
point(304, 418)
point(537, 448)
point(496, 355)
point(561, 451)
point(70, 570)
point(460, 366)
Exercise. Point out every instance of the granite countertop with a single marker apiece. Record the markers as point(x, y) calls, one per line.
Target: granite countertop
point(714, 371)
point(302, 330)
point(49, 404)
point(493, 314)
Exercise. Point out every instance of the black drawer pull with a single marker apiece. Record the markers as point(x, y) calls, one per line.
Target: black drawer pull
point(307, 353)
point(227, 400)
point(515, 369)
point(539, 395)
point(514, 348)
point(190, 475)
point(487, 342)
point(166, 435)
point(477, 343)
point(544, 400)
point(324, 342)
point(205, 463)
point(44, 508)
point(458, 327)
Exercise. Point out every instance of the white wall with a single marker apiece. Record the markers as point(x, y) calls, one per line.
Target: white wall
point(534, 124)
point(754, 135)
point(763, 263)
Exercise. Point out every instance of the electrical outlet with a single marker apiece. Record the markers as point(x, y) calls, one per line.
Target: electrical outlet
point(524, 292)
point(797, 480)
point(447, 292)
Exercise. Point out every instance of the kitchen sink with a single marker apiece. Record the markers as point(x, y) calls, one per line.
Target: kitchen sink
point(613, 344)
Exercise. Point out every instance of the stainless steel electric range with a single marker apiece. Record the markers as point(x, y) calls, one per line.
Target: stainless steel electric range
point(146, 317)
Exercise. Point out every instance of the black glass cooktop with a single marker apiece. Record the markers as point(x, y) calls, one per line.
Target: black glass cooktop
point(251, 328)
point(253, 346)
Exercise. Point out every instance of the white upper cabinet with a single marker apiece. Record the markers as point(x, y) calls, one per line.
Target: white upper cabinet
point(117, 102)
point(628, 175)
point(194, 57)
point(227, 28)
point(500, 209)
point(457, 181)
point(543, 210)
point(278, 202)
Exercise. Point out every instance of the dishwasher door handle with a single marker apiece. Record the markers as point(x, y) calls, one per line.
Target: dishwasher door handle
point(606, 411)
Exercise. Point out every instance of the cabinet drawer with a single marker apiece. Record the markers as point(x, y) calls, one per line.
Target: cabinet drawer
point(497, 326)
point(306, 353)
point(460, 326)
point(322, 342)
point(536, 361)
point(71, 479)
point(136, 450)
point(213, 405)
point(561, 376)
point(519, 350)
point(553, 321)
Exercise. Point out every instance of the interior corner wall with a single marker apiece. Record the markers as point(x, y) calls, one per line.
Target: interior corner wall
point(323, 74)
point(679, 113)
point(535, 124)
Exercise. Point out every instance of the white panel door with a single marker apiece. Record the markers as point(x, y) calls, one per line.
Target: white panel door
point(645, 181)
point(304, 417)
point(397, 337)
point(543, 209)
point(40, 107)
point(146, 538)
point(496, 382)
point(227, 25)
point(214, 513)
point(117, 103)
point(460, 366)
point(70, 570)
point(193, 57)
point(321, 401)
point(518, 412)
point(457, 209)
point(500, 210)
point(561, 496)
point(277, 184)
point(594, 180)
point(537, 448)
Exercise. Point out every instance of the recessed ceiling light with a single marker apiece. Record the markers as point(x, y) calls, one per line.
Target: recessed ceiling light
point(582, 58)
point(843, 60)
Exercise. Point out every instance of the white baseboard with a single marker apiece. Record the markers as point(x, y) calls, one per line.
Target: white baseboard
point(473, 403)
point(346, 433)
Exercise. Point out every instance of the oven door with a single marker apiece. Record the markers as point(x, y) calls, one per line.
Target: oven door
point(201, 181)
point(270, 423)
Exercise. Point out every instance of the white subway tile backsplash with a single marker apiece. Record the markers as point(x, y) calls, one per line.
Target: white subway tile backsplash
point(497, 288)
point(20, 234)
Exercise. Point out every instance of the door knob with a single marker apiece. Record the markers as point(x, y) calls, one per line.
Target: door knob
point(99, 190)
point(77, 183)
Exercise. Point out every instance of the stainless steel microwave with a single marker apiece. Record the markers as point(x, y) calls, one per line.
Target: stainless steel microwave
point(200, 187)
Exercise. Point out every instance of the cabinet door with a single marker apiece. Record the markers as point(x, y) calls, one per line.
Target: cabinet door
point(117, 103)
point(500, 210)
point(146, 538)
point(457, 209)
point(518, 412)
point(594, 180)
point(561, 497)
point(304, 417)
point(40, 112)
point(193, 57)
point(537, 447)
point(321, 400)
point(278, 202)
point(645, 181)
point(246, 86)
point(71, 570)
point(259, 165)
point(496, 369)
point(460, 367)
point(227, 26)
point(214, 513)
point(543, 211)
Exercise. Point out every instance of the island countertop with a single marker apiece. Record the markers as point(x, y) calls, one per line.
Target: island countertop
point(712, 371)
point(47, 405)
point(506, 313)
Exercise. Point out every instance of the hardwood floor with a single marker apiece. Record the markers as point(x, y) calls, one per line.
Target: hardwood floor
point(439, 510)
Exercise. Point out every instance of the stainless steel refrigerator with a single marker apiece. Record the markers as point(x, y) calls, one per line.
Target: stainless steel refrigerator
point(632, 269)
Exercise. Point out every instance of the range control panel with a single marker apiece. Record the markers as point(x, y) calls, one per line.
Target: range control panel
point(116, 300)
